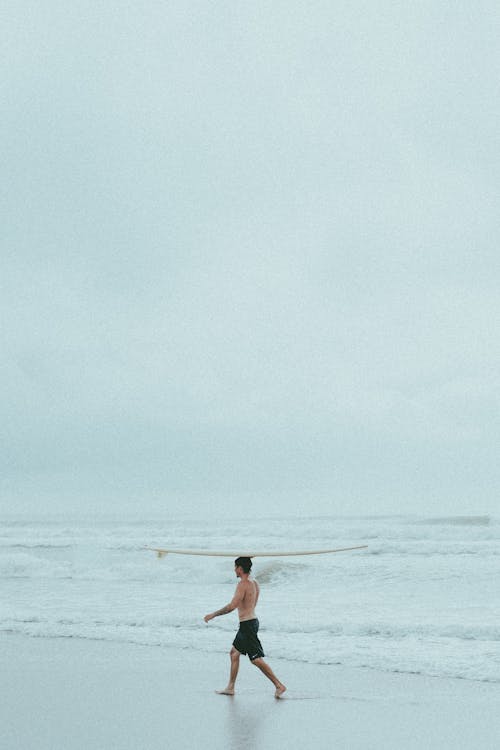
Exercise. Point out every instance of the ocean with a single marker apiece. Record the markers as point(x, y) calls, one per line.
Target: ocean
point(424, 597)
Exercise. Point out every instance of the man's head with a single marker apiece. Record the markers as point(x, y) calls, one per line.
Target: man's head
point(245, 563)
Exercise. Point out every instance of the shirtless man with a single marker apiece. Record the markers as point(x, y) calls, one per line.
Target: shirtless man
point(246, 641)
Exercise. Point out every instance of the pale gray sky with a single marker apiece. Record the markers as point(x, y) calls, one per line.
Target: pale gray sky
point(250, 253)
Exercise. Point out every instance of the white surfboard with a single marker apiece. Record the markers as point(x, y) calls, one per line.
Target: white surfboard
point(210, 553)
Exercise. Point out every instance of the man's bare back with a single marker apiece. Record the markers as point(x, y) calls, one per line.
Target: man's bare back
point(247, 594)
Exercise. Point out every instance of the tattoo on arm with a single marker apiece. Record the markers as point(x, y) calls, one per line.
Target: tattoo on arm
point(224, 611)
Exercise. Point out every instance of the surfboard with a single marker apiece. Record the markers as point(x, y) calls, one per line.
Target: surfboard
point(211, 553)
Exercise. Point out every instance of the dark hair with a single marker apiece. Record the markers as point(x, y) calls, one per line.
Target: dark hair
point(245, 563)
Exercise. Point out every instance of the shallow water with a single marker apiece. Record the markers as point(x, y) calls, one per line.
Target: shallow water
point(424, 597)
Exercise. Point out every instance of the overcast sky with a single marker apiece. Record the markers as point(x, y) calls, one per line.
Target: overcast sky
point(250, 257)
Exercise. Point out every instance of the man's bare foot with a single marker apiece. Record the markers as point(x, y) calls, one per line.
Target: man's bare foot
point(279, 691)
point(226, 691)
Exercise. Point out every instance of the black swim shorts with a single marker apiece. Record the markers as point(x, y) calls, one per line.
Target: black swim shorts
point(246, 641)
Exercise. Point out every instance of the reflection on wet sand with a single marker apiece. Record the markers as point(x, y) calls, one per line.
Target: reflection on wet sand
point(246, 716)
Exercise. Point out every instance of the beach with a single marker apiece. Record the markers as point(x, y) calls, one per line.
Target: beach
point(76, 694)
point(421, 598)
point(396, 645)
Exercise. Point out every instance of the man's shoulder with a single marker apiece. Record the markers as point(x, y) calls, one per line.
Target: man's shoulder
point(248, 584)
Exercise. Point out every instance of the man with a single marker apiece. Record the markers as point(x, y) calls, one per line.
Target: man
point(246, 641)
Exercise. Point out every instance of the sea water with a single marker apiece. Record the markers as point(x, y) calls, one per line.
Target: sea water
point(424, 597)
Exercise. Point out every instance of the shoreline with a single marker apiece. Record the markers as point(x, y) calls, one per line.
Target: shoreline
point(71, 694)
point(364, 670)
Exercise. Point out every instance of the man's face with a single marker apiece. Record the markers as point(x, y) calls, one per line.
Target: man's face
point(238, 570)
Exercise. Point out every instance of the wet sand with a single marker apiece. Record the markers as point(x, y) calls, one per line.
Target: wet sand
point(69, 694)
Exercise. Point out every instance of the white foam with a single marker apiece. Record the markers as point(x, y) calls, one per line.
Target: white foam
point(423, 597)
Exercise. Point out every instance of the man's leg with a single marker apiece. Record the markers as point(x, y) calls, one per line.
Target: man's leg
point(235, 665)
point(266, 669)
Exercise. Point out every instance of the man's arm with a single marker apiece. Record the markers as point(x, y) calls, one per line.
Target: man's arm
point(235, 601)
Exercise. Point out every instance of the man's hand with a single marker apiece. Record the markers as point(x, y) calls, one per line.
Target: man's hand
point(235, 602)
point(224, 611)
